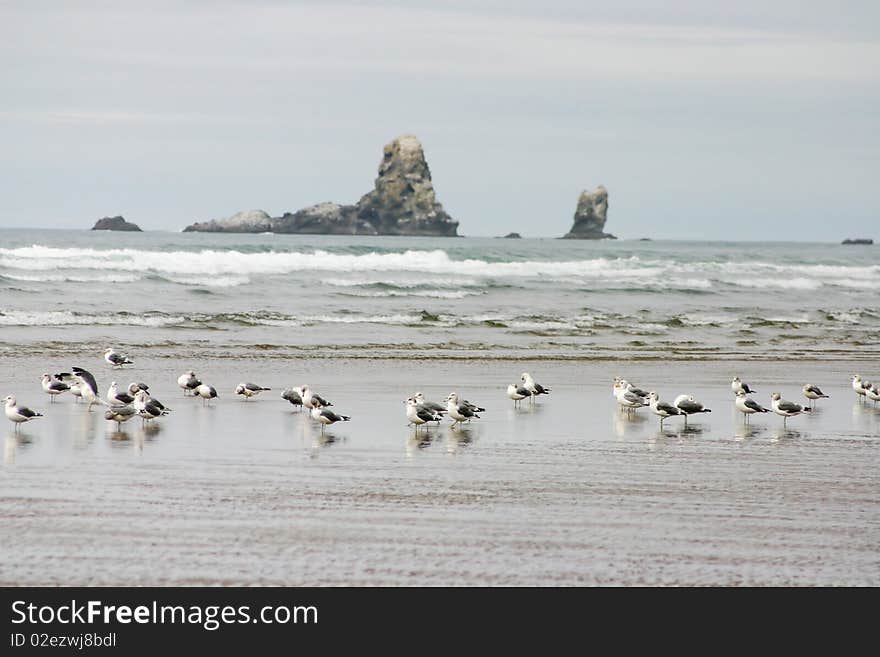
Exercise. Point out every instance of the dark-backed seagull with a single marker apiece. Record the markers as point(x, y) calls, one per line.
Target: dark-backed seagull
point(117, 398)
point(188, 382)
point(53, 387)
point(785, 408)
point(748, 406)
point(626, 398)
point(418, 414)
point(457, 411)
point(532, 386)
point(88, 387)
point(249, 390)
point(308, 396)
point(134, 386)
point(737, 385)
point(430, 406)
point(148, 408)
point(206, 392)
point(325, 416)
point(517, 393)
point(813, 393)
point(873, 393)
point(293, 397)
point(690, 406)
point(662, 409)
point(115, 359)
point(19, 414)
point(120, 414)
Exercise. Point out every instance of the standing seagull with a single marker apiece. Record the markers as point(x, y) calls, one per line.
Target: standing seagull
point(188, 382)
point(19, 414)
point(532, 386)
point(747, 406)
point(115, 359)
point(784, 408)
point(308, 396)
point(812, 393)
point(206, 392)
point(117, 398)
point(457, 411)
point(53, 387)
point(626, 398)
point(690, 406)
point(738, 386)
point(418, 414)
point(148, 408)
point(73, 382)
point(873, 393)
point(88, 386)
point(433, 407)
point(120, 414)
point(662, 409)
point(860, 387)
point(325, 416)
point(293, 397)
point(249, 390)
point(517, 393)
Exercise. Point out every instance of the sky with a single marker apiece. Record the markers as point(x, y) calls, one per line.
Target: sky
point(752, 120)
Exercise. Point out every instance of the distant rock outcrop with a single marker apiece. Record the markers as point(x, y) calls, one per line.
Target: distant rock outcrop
point(513, 236)
point(590, 216)
point(857, 240)
point(115, 223)
point(250, 221)
point(402, 202)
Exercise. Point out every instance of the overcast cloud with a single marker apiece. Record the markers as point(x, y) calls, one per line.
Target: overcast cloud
point(746, 122)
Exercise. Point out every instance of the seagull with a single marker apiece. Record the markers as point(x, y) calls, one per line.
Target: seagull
point(325, 416)
point(293, 396)
point(626, 398)
point(517, 393)
point(737, 385)
point(249, 390)
point(115, 359)
point(117, 398)
point(120, 414)
point(188, 382)
point(873, 393)
point(747, 406)
point(689, 406)
point(662, 409)
point(432, 407)
point(784, 408)
point(308, 397)
point(418, 414)
point(53, 387)
point(72, 382)
point(532, 386)
point(134, 387)
point(457, 411)
point(859, 386)
point(629, 387)
point(148, 408)
point(19, 414)
point(88, 386)
point(812, 393)
point(206, 392)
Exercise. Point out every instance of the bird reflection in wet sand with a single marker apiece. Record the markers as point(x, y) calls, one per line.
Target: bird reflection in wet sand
point(460, 438)
point(323, 440)
point(746, 431)
point(14, 441)
point(416, 443)
point(119, 436)
point(625, 423)
point(784, 434)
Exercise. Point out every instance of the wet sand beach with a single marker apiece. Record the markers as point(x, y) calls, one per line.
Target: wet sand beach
point(570, 492)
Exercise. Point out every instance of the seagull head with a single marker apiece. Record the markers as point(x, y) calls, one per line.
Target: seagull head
point(740, 393)
point(10, 400)
point(46, 376)
point(453, 397)
point(736, 379)
point(653, 396)
point(775, 396)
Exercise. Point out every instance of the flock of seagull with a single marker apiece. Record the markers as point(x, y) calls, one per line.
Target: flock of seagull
point(136, 400)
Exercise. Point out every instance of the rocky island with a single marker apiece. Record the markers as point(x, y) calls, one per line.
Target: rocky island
point(115, 223)
point(402, 202)
point(590, 216)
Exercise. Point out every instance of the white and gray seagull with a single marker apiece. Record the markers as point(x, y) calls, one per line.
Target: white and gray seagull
point(188, 382)
point(88, 387)
point(249, 390)
point(689, 406)
point(662, 409)
point(116, 360)
point(52, 386)
point(532, 386)
point(120, 414)
point(206, 392)
point(308, 396)
point(517, 393)
point(748, 406)
point(292, 395)
point(418, 414)
point(785, 408)
point(627, 399)
point(860, 386)
point(459, 411)
point(117, 398)
point(738, 386)
point(430, 406)
point(147, 407)
point(813, 393)
point(325, 416)
point(19, 414)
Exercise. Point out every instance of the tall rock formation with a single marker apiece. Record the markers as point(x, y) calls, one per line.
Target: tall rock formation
point(590, 216)
point(402, 202)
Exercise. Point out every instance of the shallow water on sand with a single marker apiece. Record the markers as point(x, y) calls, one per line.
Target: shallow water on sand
point(568, 492)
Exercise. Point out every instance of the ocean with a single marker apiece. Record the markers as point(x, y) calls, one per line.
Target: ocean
point(351, 296)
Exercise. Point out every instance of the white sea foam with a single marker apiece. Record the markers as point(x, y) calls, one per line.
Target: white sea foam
point(66, 318)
